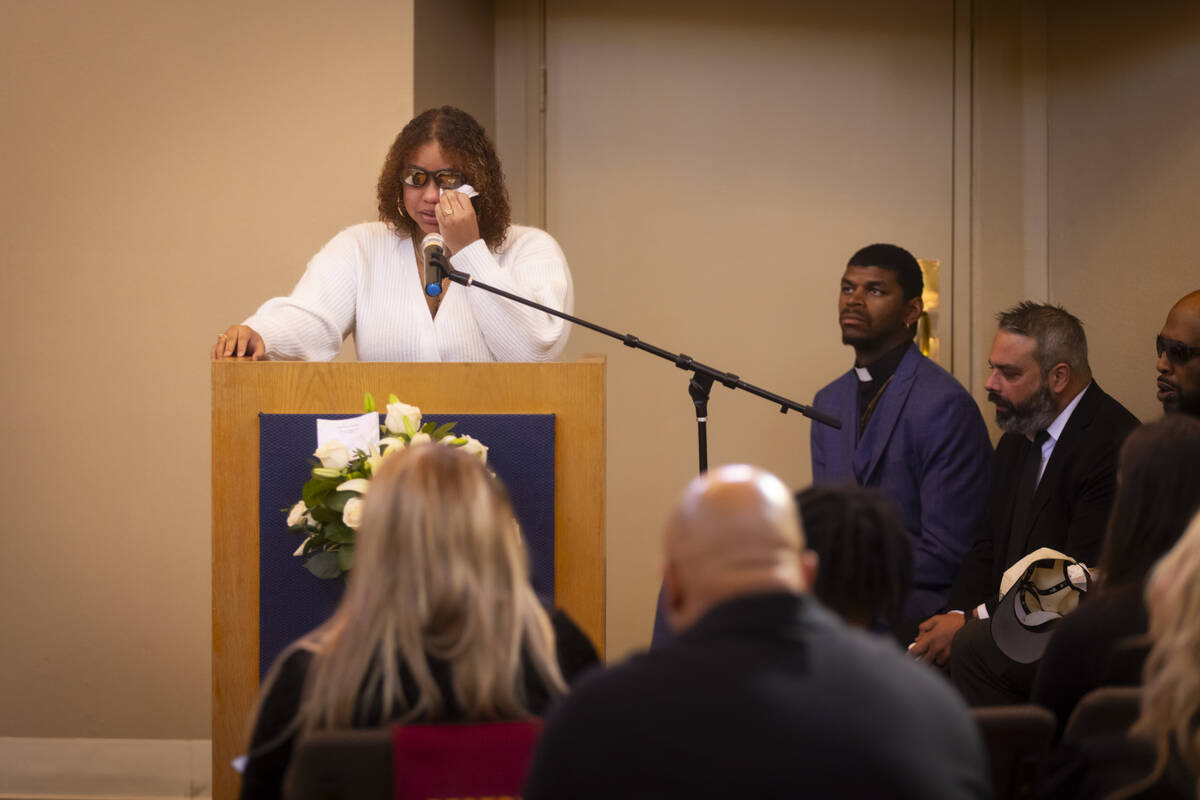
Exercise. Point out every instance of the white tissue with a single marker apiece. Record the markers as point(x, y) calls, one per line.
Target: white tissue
point(466, 189)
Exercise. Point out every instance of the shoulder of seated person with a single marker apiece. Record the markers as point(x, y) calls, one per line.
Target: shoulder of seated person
point(297, 660)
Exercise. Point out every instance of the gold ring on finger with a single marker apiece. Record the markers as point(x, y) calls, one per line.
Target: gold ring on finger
point(447, 211)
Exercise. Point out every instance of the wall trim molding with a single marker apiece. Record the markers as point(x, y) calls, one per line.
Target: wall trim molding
point(98, 769)
point(1035, 150)
point(957, 292)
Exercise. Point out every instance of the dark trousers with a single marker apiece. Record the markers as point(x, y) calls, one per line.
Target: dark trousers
point(983, 674)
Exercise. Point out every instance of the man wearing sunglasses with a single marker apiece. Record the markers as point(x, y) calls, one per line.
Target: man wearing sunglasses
point(1178, 347)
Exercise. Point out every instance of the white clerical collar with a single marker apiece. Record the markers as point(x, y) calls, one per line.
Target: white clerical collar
point(864, 374)
point(1055, 429)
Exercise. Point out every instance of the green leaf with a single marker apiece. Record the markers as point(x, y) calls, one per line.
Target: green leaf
point(316, 489)
point(441, 431)
point(368, 402)
point(324, 565)
point(337, 501)
point(346, 557)
point(427, 427)
point(339, 533)
point(393, 399)
point(324, 514)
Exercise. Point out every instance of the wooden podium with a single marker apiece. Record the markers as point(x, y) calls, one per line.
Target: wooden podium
point(241, 390)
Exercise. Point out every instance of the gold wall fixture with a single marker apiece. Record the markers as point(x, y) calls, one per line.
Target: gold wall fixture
point(927, 324)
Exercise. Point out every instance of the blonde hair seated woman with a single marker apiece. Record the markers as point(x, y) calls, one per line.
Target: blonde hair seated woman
point(439, 622)
point(1171, 682)
point(1161, 756)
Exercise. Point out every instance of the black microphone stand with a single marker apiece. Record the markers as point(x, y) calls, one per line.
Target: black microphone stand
point(703, 376)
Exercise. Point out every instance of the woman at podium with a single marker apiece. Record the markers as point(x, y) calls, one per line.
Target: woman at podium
point(441, 176)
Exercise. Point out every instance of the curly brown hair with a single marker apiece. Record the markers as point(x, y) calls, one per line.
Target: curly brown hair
point(464, 142)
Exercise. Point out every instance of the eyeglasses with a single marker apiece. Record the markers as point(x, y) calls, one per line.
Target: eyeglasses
point(443, 178)
point(1177, 352)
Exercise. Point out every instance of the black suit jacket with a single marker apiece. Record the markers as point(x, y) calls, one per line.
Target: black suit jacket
point(765, 696)
point(1071, 504)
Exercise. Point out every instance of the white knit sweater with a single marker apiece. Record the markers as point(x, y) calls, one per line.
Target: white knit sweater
point(365, 281)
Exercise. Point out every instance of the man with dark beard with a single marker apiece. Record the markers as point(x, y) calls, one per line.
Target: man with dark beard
point(1053, 483)
point(909, 429)
point(1178, 365)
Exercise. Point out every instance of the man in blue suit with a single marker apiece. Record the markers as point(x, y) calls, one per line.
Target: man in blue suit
point(909, 428)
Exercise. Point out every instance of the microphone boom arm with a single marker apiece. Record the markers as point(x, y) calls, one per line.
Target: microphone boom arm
point(704, 375)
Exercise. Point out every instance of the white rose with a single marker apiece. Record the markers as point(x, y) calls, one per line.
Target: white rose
point(402, 418)
point(333, 455)
point(300, 549)
point(475, 448)
point(391, 445)
point(297, 515)
point(359, 485)
point(420, 438)
point(352, 513)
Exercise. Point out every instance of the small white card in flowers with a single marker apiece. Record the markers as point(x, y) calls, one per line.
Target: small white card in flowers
point(356, 433)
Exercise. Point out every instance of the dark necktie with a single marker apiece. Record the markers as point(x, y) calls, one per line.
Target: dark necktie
point(1023, 503)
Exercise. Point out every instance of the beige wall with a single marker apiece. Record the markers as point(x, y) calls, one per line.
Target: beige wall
point(1124, 178)
point(709, 172)
point(1086, 149)
point(1073, 142)
point(1007, 258)
point(454, 57)
point(167, 166)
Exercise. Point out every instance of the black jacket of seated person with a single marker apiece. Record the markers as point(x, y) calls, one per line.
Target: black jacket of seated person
point(265, 770)
point(767, 695)
point(1068, 512)
point(1069, 508)
point(1101, 643)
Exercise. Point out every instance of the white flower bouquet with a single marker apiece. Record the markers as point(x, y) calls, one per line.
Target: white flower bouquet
point(331, 502)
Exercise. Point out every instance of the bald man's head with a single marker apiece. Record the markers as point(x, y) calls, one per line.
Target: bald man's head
point(1178, 362)
point(735, 531)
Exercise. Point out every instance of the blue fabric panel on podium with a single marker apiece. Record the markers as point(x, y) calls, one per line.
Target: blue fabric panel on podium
point(292, 601)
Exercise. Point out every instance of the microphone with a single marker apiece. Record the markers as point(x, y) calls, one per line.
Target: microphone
point(433, 251)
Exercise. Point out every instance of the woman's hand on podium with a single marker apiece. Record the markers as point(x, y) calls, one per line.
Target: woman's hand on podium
point(239, 341)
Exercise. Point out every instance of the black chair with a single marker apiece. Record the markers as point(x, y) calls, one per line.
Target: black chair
point(342, 764)
point(401, 762)
point(1107, 711)
point(1017, 739)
